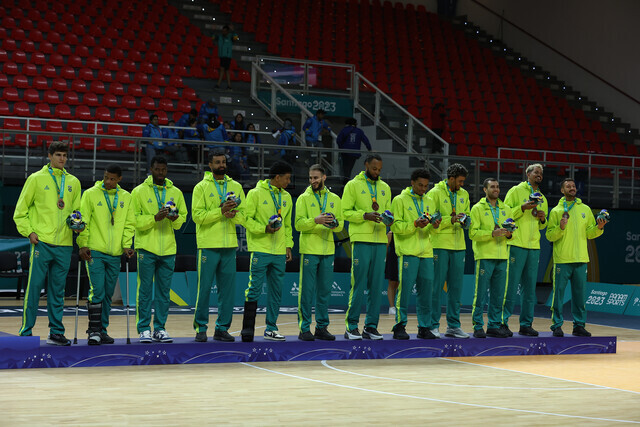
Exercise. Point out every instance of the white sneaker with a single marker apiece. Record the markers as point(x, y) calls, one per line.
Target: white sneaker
point(145, 337)
point(161, 336)
point(456, 333)
point(392, 311)
point(273, 336)
point(436, 332)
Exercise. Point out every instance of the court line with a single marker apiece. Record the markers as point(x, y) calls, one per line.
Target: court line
point(325, 364)
point(539, 375)
point(438, 400)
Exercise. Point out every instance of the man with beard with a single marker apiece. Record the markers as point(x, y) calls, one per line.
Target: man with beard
point(529, 211)
point(411, 232)
point(571, 223)
point(318, 217)
point(160, 210)
point(109, 226)
point(452, 201)
point(490, 252)
point(47, 199)
point(216, 216)
point(364, 198)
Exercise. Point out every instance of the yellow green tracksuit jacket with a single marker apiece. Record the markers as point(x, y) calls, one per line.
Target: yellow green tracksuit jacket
point(37, 207)
point(258, 210)
point(356, 201)
point(449, 236)
point(154, 236)
point(99, 234)
point(316, 239)
point(213, 229)
point(482, 225)
point(527, 235)
point(570, 244)
point(408, 239)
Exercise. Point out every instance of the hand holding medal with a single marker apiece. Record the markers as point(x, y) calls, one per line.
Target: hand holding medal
point(172, 210)
point(75, 222)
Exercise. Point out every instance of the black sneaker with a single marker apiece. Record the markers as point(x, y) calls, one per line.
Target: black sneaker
point(106, 339)
point(497, 333)
point(399, 333)
point(580, 331)
point(506, 329)
point(324, 334)
point(201, 336)
point(352, 334)
point(426, 334)
point(528, 331)
point(223, 336)
point(94, 338)
point(557, 332)
point(306, 336)
point(58, 339)
point(479, 333)
point(371, 334)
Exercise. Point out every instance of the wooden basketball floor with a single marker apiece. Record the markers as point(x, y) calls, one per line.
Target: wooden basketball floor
point(595, 389)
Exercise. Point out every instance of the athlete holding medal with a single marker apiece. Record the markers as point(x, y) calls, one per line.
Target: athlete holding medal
point(47, 199)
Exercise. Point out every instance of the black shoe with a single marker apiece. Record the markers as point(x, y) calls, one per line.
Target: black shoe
point(306, 336)
point(324, 334)
point(497, 333)
point(94, 338)
point(106, 339)
point(201, 336)
point(557, 332)
point(400, 333)
point(479, 333)
point(223, 336)
point(352, 334)
point(371, 334)
point(426, 334)
point(580, 331)
point(528, 331)
point(506, 330)
point(247, 335)
point(58, 339)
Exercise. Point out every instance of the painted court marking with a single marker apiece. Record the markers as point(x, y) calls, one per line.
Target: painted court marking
point(438, 400)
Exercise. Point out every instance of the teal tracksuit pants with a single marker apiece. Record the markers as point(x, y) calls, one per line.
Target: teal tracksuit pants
point(418, 271)
point(217, 264)
point(154, 276)
point(269, 268)
point(103, 272)
point(491, 275)
point(316, 278)
point(367, 272)
point(51, 263)
point(448, 266)
point(523, 271)
point(577, 274)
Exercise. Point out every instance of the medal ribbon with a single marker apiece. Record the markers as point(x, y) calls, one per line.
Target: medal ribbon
point(112, 210)
point(452, 197)
point(224, 189)
point(495, 213)
point(419, 208)
point(322, 206)
point(277, 203)
point(373, 190)
point(60, 189)
point(567, 208)
point(164, 194)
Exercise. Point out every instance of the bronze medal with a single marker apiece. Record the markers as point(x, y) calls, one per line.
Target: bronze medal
point(565, 215)
point(60, 204)
point(375, 206)
point(534, 212)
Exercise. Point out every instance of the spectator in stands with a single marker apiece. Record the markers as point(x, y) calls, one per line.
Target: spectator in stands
point(314, 127)
point(174, 149)
point(213, 130)
point(238, 169)
point(152, 130)
point(286, 136)
point(225, 47)
point(252, 152)
point(238, 123)
point(438, 116)
point(207, 109)
point(185, 121)
point(350, 138)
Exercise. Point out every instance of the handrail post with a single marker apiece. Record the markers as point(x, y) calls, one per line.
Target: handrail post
point(410, 134)
point(376, 112)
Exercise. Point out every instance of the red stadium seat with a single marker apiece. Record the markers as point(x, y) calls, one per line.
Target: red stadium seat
point(116, 88)
point(85, 74)
point(21, 82)
point(71, 98)
point(147, 104)
point(135, 90)
point(49, 71)
point(21, 109)
point(98, 87)
point(91, 99)
point(171, 92)
point(30, 70)
point(82, 113)
point(103, 114)
point(166, 105)
point(11, 94)
point(141, 116)
point(122, 115)
point(110, 100)
point(154, 92)
point(79, 86)
point(31, 95)
point(51, 97)
point(63, 111)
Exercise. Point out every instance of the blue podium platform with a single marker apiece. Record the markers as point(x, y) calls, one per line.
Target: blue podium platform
point(31, 352)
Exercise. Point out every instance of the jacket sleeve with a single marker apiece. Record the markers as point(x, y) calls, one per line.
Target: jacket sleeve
point(302, 221)
point(129, 227)
point(340, 139)
point(349, 211)
point(199, 211)
point(476, 232)
point(145, 132)
point(401, 225)
point(307, 124)
point(592, 229)
point(86, 209)
point(511, 200)
point(388, 204)
point(143, 221)
point(21, 214)
point(545, 208)
point(182, 212)
point(250, 210)
point(288, 229)
point(338, 215)
point(240, 217)
point(554, 232)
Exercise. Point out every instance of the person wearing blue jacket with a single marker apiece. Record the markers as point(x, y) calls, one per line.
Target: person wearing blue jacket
point(174, 149)
point(351, 138)
point(213, 130)
point(186, 120)
point(208, 108)
point(287, 136)
point(314, 127)
point(152, 130)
